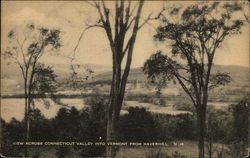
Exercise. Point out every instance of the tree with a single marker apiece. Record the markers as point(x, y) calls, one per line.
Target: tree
point(240, 127)
point(44, 80)
point(212, 125)
point(138, 126)
point(126, 21)
point(195, 34)
point(25, 51)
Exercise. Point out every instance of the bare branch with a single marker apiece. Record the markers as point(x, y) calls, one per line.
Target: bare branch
point(130, 23)
point(131, 46)
point(21, 48)
point(149, 18)
point(135, 6)
point(83, 31)
point(185, 79)
point(116, 18)
point(127, 16)
point(106, 23)
point(93, 5)
point(146, 20)
point(185, 89)
point(127, 46)
point(100, 13)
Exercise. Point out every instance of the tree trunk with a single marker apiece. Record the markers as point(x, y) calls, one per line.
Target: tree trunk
point(201, 117)
point(111, 135)
point(27, 130)
point(113, 108)
point(112, 128)
point(26, 118)
point(119, 49)
point(109, 149)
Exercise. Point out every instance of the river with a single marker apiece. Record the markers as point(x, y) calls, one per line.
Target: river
point(14, 107)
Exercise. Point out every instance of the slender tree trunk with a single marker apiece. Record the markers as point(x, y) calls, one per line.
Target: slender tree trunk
point(28, 128)
point(210, 137)
point(26, 117)
point(210, 150)
point(201, 117)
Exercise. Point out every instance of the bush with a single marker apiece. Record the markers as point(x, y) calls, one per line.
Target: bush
point(171, 127)
point(41, 129)
point(137, 125)
point(97, 124)
point(11, 132)
point(240, 114)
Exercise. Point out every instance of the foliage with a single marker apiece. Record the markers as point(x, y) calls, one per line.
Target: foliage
point(69, 124)
point(89, 124)
point(10, 132)
point(240, 113)
point(195, 37)
point(240, 125)
point(194, 40)
point(35, 40)
point(98, 117)
point(171, 127)
point(41, 128)
point(25, 50)
point(44, 80)
point(138, 125)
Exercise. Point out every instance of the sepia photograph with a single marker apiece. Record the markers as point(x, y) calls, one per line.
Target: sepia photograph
point(125, 79)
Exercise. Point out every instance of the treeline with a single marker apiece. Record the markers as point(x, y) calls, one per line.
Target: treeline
point(225, 126)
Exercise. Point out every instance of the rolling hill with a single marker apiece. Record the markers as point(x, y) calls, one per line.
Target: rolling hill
point(11, 79)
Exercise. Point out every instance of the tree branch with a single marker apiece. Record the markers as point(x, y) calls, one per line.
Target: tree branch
point(83, 31)
point(21, 48)
point(130, 49)
point(146, 20)
point(185, 89)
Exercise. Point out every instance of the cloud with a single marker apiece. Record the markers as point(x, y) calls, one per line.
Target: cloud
point(26, 15)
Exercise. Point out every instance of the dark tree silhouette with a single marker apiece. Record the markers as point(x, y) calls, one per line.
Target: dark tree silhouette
point(138, 125)
point(121, 29)
point(240, 125)
point(195, 34)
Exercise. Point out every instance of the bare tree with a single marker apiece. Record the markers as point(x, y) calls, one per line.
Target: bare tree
point(121, 29)
point(195, 34)
point(26, 54)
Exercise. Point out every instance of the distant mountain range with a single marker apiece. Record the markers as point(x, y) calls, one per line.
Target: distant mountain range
point(11, 79)
point(238, 73)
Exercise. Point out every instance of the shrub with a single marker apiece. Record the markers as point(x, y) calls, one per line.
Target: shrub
point(137, 125)
point(171, 127)
point(11, 132)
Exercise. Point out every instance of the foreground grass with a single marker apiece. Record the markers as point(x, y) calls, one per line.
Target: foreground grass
point(188, 149)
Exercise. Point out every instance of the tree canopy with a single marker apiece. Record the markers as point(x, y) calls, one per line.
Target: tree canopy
point(194, 33)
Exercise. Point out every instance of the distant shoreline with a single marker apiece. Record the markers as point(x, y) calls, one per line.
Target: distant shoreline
point(55, 96)
point(132, 97)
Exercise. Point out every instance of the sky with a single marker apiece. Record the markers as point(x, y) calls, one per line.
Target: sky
point(72, 16)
